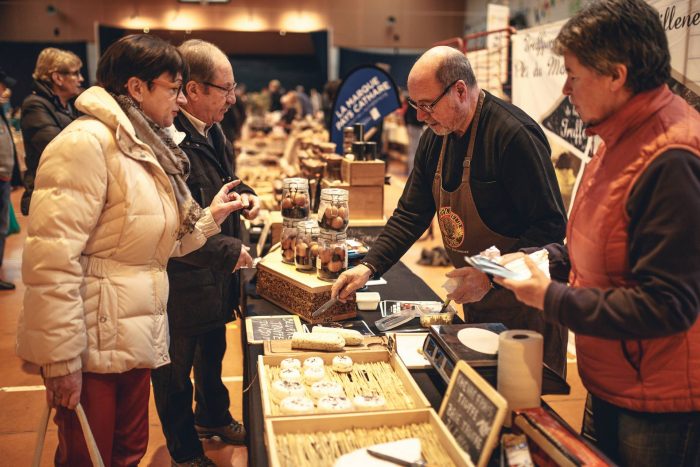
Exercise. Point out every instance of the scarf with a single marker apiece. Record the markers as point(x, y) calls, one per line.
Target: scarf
point(170, 157)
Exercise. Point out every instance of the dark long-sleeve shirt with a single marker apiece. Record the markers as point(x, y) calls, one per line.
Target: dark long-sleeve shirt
point(664, 261)
point(512, 178)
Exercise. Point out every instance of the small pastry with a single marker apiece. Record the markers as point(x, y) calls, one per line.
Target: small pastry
point(326, 388)
point(342, 364)
point(313, 375)
point(290, 363)
point(282, 389)
point(334, 404)
point(313, 362)
point(291, 375)
point(295, 405)
point(369, 402)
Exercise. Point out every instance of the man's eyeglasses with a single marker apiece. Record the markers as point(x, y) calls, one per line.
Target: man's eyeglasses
point(175, 88)
point(228, 90)
point(430, 108)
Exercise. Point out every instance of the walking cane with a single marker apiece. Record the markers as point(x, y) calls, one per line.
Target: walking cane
point(87, 433)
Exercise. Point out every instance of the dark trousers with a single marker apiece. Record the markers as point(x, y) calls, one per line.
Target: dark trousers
point(643, 439)
point(116, 406)
point(172, 390)
point(5, 190)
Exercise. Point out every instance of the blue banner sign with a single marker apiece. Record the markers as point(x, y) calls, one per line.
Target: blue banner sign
point(367, 95)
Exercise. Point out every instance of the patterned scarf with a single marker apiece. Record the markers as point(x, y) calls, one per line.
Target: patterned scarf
point(170, 157)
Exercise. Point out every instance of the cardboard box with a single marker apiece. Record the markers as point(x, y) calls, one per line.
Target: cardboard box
point(363, 173)
point(298, 292)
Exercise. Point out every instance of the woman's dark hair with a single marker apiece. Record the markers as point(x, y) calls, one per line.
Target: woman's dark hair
point(611, 32)
point(139, 55)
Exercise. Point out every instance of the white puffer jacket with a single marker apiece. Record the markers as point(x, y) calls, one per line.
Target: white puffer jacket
point(103, 224)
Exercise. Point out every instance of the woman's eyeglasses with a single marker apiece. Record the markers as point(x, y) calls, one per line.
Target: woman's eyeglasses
point(174, 87)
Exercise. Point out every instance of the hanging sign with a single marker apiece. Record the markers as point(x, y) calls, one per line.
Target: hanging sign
point(366, 95)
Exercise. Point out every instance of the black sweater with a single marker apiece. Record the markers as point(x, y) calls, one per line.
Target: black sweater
point(664, 261)
point(512, 178)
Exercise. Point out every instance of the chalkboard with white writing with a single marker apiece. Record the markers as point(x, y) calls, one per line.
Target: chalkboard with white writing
point(266, 328)
point(473, 411)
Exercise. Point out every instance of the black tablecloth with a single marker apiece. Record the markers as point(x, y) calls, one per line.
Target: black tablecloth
point(402, 284)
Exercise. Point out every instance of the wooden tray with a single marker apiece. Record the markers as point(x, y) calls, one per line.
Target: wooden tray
point(298, 292)
point(328, 423)
point(411, 389)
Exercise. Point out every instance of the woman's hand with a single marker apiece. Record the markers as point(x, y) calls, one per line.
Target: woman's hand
point(64, 391)
point(529, 291)
point(225, 202)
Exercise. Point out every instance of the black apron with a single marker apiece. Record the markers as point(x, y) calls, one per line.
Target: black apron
point(464, 233)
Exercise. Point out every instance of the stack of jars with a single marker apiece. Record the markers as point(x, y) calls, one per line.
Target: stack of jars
point(333, 218)
point(294, 205)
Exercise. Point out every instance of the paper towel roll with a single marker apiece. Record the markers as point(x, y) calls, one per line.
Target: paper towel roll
point(520, 368)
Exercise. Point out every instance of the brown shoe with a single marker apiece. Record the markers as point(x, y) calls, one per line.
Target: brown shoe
point(201, 461)
point(234, 433)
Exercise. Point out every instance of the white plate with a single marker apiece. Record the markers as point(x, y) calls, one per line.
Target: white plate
point(481, 340)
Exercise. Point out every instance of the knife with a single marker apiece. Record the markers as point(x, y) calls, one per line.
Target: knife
point(323, 308)
point(395, 460)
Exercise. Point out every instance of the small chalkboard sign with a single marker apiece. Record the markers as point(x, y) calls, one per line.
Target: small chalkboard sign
point(266, 328)
point(473, 411)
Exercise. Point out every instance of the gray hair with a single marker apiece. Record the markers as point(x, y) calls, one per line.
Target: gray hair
point(453, 67)
point(200, 55)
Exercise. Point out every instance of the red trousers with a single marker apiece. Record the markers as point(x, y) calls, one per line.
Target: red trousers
point(116, 406)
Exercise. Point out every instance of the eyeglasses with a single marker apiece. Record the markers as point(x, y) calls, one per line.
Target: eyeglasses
point(228, 90)
point(175, 88)
point(430, 108)
point(71, 73)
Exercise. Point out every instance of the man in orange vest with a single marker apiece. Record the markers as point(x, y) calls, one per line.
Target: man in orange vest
point(633, 241)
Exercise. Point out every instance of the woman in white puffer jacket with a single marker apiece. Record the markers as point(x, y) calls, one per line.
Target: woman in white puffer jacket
point(110, 206)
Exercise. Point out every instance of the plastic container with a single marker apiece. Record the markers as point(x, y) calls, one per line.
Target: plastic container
point(295, 199)
point(367, 301)
point(431, 318)
point(306, 245)
point(333, 211)
point(332, 255)
point(288, 238)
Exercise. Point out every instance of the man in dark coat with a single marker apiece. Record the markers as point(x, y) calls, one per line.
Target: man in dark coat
point(204, 285)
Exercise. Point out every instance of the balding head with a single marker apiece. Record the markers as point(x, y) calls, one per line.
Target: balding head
point(445, 65)
point(444, 87)
point(203, 58)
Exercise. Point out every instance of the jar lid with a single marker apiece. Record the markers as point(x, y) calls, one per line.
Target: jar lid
point(329, 194)
point(296, 183)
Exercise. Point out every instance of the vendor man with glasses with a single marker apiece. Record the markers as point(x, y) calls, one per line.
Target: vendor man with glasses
point(484, 168)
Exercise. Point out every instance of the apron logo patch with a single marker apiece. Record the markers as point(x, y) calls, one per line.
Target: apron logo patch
point(451, 226)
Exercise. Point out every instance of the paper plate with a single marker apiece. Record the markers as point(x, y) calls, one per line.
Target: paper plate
point(481, 340)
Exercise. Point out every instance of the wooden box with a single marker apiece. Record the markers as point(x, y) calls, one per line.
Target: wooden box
point(298, 292)
point(316, 426)
point(365, 202)
point(411, 398)
point(362, 173)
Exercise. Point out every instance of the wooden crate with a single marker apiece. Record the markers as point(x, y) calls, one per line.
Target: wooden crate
point(363, 173)
point(365, 202)
point(275, 427)
point(298, 292)
point(411, 389)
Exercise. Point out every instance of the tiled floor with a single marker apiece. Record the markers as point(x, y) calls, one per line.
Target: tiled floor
point(22, 396)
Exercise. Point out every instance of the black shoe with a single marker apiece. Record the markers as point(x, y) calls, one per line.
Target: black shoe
point(201, 461)
point(4, 285)
point(233, 433)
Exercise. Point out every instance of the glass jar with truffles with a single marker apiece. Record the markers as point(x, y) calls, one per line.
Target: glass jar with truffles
point(306, 245)
point(332, 255)
point(288, 238)
point(295, 198)
point(333, 212)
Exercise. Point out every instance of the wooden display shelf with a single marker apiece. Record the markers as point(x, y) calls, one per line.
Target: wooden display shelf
point(298, 292)
point(363, 173)
point(410, 387)
point(365, 202)
point(334, 423)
